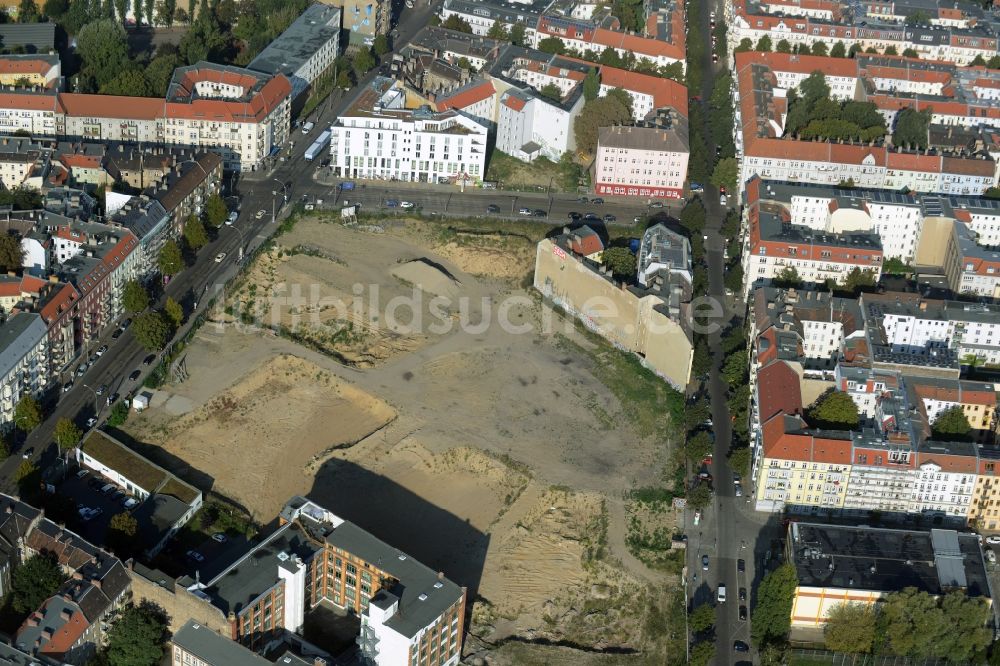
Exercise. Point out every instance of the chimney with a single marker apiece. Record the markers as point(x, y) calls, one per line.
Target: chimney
point(440, 575)
point(96, 582)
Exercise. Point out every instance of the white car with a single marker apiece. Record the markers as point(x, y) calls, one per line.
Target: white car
point(260, 214)
point(406, 204)
point(232, 218)
point(993, 540)
point(524, 211)
point(219, 257)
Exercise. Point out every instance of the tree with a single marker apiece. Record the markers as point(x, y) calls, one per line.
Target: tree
point(4, 448)
point(174, 312)
point(204, 40)
point(27, 413)
point(850, 627)
point(699, 496)
point(35, 581)
point(129, 82)
point(911, 128)
point(951, 425)
point(381, 45)
point(839, 50)
point(602, 112)
point(148, 11)
point(151, 330)
point(702, 360)
point(135, 298)
point(67, 434)
point(621, 261)
point(787, 277)
point(858, 279)
point(834, 410)
point(137, 12)
point(891, 51)
point(121, 534)
point(725, 174)
point(27, 12)
point(854, 50)
point(194, 233)
point(591, 85)
point(919, 625)
point(783, 46)
point(498, 31)
point(698, 446)
point(517, 34)
point(552, 45)
point(763, 44)
point(55, 9)
point(910, 53)
point(919, 17)
point(739, 460)
point(170, 260)
point(11, 253)
point(819, 49)
point(159, 72)
point(736, 367)
point(118, 415)
point(103, 48)
point(702, 618)
point(120, 9)
point(772, 619)
point(895, 266)
point(456, 22)
point(364, 61)
point(702, 653)
point(746, 44)
point(551, 91)
point(138, 637)
point(215, 210)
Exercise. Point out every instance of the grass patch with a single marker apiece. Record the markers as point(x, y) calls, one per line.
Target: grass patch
point(215, 516)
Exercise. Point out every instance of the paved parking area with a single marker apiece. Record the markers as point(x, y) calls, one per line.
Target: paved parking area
point(86, 490)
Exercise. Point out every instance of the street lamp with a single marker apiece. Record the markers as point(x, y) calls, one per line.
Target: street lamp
point(274, 193)
point(239, 254)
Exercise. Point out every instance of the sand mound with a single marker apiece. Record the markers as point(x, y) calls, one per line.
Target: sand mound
point(428, 276)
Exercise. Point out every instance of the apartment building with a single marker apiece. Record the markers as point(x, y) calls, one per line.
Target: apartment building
point(30, 70)
point(645, 161)
point(379, 138)
point(364, 20)
point(530, 126)
point(774, 244)
point(761, 91)
point(649, 322)
point(834, 565)
point(409, 613)
point(306, 50)
point(195, 644)
point(482, 15)
point(956, 34)
point(661, 250)
point(24, 362)
point(241, 114)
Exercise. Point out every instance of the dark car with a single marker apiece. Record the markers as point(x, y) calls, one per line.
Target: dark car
point(597, 200)
point(582, 200)
point(740, 646)
point(656, 204)
point(125, 324)
point(741, 565)
point(135, 375)
point(574, 215)
point(591, 216)
point(117, 334)
point(493, 208)
point(391, 203)
point(743, 613)
point(743, 594)
point(149, 359)
point(538, 212)
point(610, 218)
point(704, 562)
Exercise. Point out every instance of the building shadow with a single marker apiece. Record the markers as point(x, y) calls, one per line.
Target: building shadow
point(178, 466)
point(432, 535)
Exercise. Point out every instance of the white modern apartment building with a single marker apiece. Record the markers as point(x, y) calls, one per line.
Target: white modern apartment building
point(24, 362)
point(529, 126)
point(379, 138)
point(306, 50)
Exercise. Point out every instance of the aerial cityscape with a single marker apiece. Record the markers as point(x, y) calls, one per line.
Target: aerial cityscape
point(499, 332)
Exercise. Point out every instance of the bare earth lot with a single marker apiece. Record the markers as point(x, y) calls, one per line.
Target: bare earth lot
point(498, 458)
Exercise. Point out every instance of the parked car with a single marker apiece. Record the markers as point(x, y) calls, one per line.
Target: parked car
point(125, 323)
point(740, 646)
point(101, 350)
point(101, 389)
point(592, 217)
point(743, 613)
point(739, 491)
point(704, 562)
point(113, 398)
point(524, 211)
point(220, 257)
point(993, 540)
point(391, 203)
point(741, 565)
point(220, 537)
point(232, 218)
point(107, 488)
point(610, 218)
point(82, 474)
point(117, 496)
point(80, 371)
point(260, 214)
point(656, 204)
point(721, 596)
point(117, 334)
point(407, 204)
point(743, 594)
point(574, 216)
point(68, 386)
point(493, 208)
point(196, 556)
point(149, 359)
point(597, 200)
point(697, 188)
point(715, 57)
point(723, 200)
point(27, 452)
point(130, 502)
point(135, 375)
point(538, 212)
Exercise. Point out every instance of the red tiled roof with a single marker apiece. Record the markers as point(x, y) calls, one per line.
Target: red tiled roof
point(778, 390)
point(468, 97)
point(78, 161)
point(665, 92)
point(515, 103)
point(59, 303)
point(112, 106)
point(24, 66)
point(260, 105)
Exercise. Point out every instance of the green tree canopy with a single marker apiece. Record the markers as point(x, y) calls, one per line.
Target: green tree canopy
point(34, 581)
point(910, 53)
point(819, 49)
point(763, 44)
point(67, 434)
point(621, 261)
point(27, 12)
point(736, 367)
point(174, 312)
point(138, 637)
point(951, 425)
point(725, 173)
point(11, 253)
point(130, 82)
point(857, 279)
point(380, 45)
point(773, 615)
point(698, 446)
point(498, 31)
point(951, 627)
point(850, 627)
point(551, 91)
point(27, 413)
point(159, 72)
point(552, 45)
point(170, 261)
point(787, 277)
point(517, 34)
point(456, 22)
point(699, 496)
point(746, 44)
point(739, 460)
point(194, 233)
point(891, 50)
point(783, 46)
point(103, 47)
point(602, 112)
point(135, 298)
point(918, 17)
point(364, 61)
point(215, 210)
point(839, 50)
point(591, 85)
point(702, 653)
point(834, 410)
point(121, 534)
point(911, 128)
point(151, 330)
point(702, 618)
point(702, 361)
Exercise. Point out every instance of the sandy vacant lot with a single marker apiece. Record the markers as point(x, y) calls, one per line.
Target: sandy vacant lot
point(489, 455)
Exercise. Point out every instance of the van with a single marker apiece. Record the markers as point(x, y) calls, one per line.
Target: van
point(722, 594)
